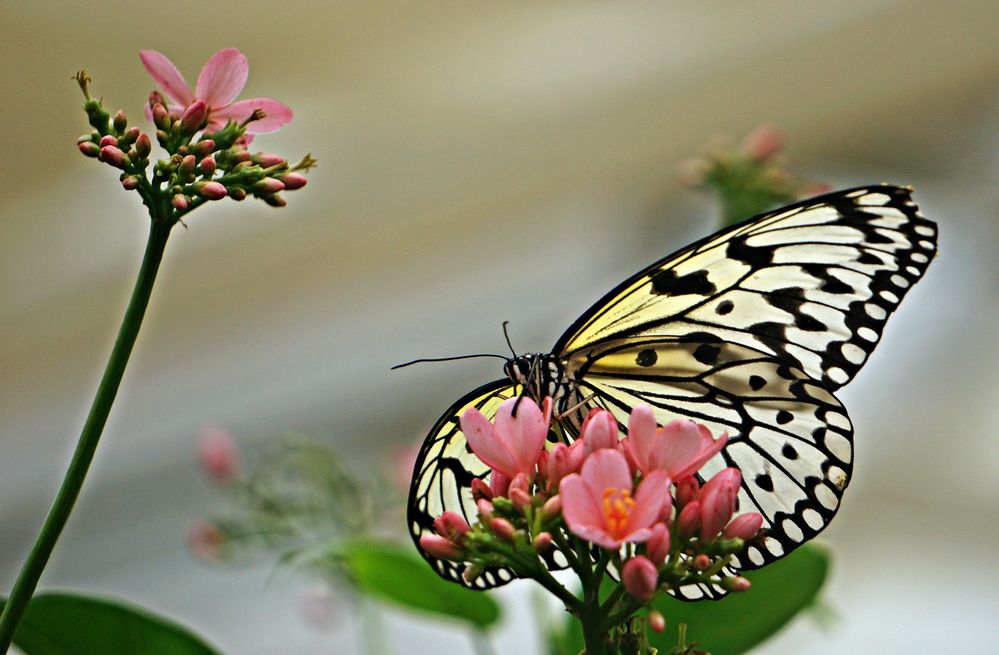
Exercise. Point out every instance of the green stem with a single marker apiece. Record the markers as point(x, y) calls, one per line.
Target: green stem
point(27, 580)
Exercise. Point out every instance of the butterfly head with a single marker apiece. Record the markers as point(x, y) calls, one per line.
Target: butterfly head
point(540, 374)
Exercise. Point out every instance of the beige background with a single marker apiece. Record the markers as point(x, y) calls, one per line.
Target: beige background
point(481, 162)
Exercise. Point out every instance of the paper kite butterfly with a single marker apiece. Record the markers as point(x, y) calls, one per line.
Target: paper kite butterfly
point(749, 331)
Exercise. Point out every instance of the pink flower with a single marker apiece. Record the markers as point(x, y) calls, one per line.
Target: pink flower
point(598, 505)
point(599, 430)
point(563, 460)
point(680, 448)
point(511, 446)
point(763, 143)
point(222, 78)
point(218, 454)
point(745, 526)
point(718, 498)
point(640, 577)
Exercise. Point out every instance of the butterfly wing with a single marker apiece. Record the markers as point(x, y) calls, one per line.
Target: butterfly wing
point(750, 331)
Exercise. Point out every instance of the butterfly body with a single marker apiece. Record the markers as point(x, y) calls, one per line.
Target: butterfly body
point(749, 331)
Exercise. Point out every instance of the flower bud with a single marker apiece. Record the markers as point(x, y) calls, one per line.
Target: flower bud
point(194, 117)
point(161, 117)
point(293, 181)
point(161, 137)
point(481, 490)
point(210, 190)
point(687, 489)
point(203, 148)
point(267, 186)
point(736, 584)
point(563, 460)
point(207, 165)
point(130, 182)
point(112, 155)
point(702, 562)
point(89, 148)
point(745, 526)
point(485, 508)
point(187, 165)
point(502, 529)
point(130, 136)
point(472, 573)
point(142, 146)
point(763, 143)
point(180, 201)
point(521, 499)
point(552, 508)
point(451, 526)
point(108, 140)
point(689, 520)
point(718, 501)
point(218, 454)
point(156, 98)
point(275, 200)
point(119, 122)
point(236, 193)
point(599, 430)
point(440, 547)
point(640, 577)
point(267, 160)
point(657, 545)
point(205, 539)
point(542, 542)
point(657, 621)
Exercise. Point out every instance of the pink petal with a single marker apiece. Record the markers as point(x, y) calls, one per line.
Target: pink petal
point(637, 536)
point(276, 114)
point(650, 499)
point(164, 73)
point(599, 536)
point(606, 469)
point(580, 508)
point(223, 77)
point(600, 431)
point(709, 448)
point(483, 442)
point(641, 434)
point(524, 434)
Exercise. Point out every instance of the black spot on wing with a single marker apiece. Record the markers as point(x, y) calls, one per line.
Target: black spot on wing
point(756, 257)
point(756, 382)
point(724, 307)
point(646, 358)
point(666, 282)
point(707, 354)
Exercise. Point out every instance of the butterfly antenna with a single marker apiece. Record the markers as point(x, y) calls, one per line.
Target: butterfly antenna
point(446, 359)
point(506, 335)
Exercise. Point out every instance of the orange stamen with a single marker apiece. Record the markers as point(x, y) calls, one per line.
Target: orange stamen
point(617, 507)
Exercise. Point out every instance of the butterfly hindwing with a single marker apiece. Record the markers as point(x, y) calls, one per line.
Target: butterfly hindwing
point(811, 284)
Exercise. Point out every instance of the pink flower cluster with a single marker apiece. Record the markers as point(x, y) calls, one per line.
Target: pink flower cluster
point(608, 491)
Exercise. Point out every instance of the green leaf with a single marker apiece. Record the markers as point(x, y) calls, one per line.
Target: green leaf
point(394, 573)
point(74, 624)
point(738, 622)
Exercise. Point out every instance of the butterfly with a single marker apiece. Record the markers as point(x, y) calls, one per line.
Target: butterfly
point(748, 331)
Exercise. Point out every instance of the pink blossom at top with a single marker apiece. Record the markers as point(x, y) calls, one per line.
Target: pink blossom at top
point(218, 454)
point(680, 447)
point(513, 444)
point(221, 80)
point(597, 504)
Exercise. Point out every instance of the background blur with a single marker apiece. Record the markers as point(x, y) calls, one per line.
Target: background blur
point(480, 162)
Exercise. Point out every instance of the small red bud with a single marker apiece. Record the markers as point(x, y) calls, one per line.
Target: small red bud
point(657, 621)
point(208, 165)
point(187, 165)
point(552, 508)
point(237, 193)
point(130, 182)
point(112, 155)
point(274, 200)
point(211, 190)
point(502, 529)
point(161, 118)
point(180, 201)
point(267, 185)
point(737, 584)
point(542, 542)
point(293, 181)
point(156, 98)
point(440, 547)
point(194, 117)
point(142, 146)
point(266, 159)
point(521, 499)
point(119, 122)
point(203, 148)
point(161, 137)
point(108, 140)
point(130, 136)
point(89, 148)
point(702, 562)
point(481, 490)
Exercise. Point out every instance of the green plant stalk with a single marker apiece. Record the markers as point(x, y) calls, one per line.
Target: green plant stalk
point(72, 482)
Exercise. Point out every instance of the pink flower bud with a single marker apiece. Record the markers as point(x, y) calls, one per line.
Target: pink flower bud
point(194, 117)
point(763, 143)
point(266, 159)
point(218, 454)
point(542, 542)
point(187, 165)
point(130, 182)
point(689, 520)
point(657, 621)
point(521, 499)
point(485, 508)
point(205, 539)
point(112, 155)
point(161, 137)
point(267, 185)
point(142, 146)
point(161, 118)
point(563, 460)
point(208, 165)
point(640, 577)
point(718, 501)
point(211, 190)
point(239, 155)
point(737, 584)
point(275, 200)
point(180, 201)
point(130, 136)
point(293, 181)
point(657, 545)
point(203, 148)
point(552, 508)
point(687, 489)
point(237, 193)
point(451, 526)
point(745, 526)
point(441, 548)
point(599, 430)
point(108, 140)
point(702, 562)
point(89, 148)
point(156, 98)
point(119, 122)
point(481, 490)
point(502, 529)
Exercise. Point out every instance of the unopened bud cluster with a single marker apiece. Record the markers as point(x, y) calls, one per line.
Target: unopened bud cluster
point(201, 165)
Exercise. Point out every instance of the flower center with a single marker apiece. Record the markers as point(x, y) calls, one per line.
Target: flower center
point(617, 507)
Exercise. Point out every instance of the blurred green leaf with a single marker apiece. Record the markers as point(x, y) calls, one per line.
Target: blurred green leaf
point(72, 624)
point(394, 573)
point(738, 622)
